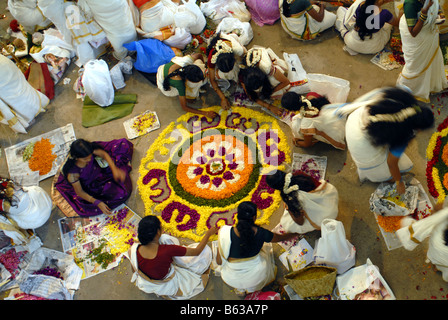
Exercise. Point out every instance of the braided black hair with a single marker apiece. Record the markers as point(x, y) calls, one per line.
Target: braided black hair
point(191, 72)
point(247, 213)
point(306, 183)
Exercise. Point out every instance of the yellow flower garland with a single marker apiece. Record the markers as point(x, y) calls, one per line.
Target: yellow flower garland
point(163, 145)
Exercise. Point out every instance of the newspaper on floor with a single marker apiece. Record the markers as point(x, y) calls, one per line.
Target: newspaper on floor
point(385, 60)
point(91, 242)
point(315, 166)
point(298, 256)
point(141, 124)
point(18, 167)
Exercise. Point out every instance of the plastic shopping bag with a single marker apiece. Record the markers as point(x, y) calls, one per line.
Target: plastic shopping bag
point(180, 39)
point(151, 54)
point(363, 283)
point(296, 74)
point(335, 89)
point(190, 17)
point(242, 29)
point(98, 83)
point(333, 249)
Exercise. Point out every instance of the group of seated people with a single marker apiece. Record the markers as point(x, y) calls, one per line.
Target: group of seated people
point(376, 129)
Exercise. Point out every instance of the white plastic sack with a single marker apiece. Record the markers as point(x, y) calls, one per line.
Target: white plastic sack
point(363, 283)
point(214, 9)
point(190, 17)
point(33, 208)
point(335, 89)
point(116, 73)
point(180, 39)
point(296, 74)
point(333, 249)
point(238, 10)
point(98, 83)
point(242, 29)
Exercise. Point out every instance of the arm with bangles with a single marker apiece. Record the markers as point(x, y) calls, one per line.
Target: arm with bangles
point(415, 30)
point(84, 195)
point(225, 104)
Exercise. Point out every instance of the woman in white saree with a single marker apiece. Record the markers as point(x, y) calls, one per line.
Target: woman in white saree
point(303, 20)
point(244, 256)
point(379, 127)
point(376, 26)
point(307, 202)
point(178, 272)
point(424, 70)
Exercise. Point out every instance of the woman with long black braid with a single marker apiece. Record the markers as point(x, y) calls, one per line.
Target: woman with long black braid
point(183, 77)
point(245, 258)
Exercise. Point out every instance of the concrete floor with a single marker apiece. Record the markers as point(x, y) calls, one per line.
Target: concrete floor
point(407, 273)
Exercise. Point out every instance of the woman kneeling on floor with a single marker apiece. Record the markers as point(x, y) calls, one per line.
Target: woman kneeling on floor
point(245, 257)
point(307, 202)
point(95, 178)
point(184, 77)
point(164, 267)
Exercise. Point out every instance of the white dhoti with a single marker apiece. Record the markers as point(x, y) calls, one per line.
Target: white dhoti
point(303, 26)
point(424, 70)
point(187, 277)
point(434, 227)
point(319, 204)
point(345, 24)
point(370, 160)
point(245, 275)
point(20, 103)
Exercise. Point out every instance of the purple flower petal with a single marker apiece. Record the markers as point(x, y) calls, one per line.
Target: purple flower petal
point(198, 171)
point(233, 166)
point(222, 151)
point(204, 179)
point(211, 153)
point(201, 160)
point(217, 181)
point(228, 175)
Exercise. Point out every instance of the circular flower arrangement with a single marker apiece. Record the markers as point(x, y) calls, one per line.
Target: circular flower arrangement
point(437, 164)
point(198, 170)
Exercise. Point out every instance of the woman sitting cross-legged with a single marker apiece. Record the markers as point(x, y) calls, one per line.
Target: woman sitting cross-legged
point(245, 257)
point(365, 26)
point(164, 267)
point(95, 178)
point(304, 20)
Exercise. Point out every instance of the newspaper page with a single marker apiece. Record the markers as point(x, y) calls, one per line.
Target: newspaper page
point(18, 167)
point(315, 166)
point(95, 242)
point(141, 124)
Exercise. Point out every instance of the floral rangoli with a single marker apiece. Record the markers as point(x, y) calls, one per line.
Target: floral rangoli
point(199, 170)
point(437, 164)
